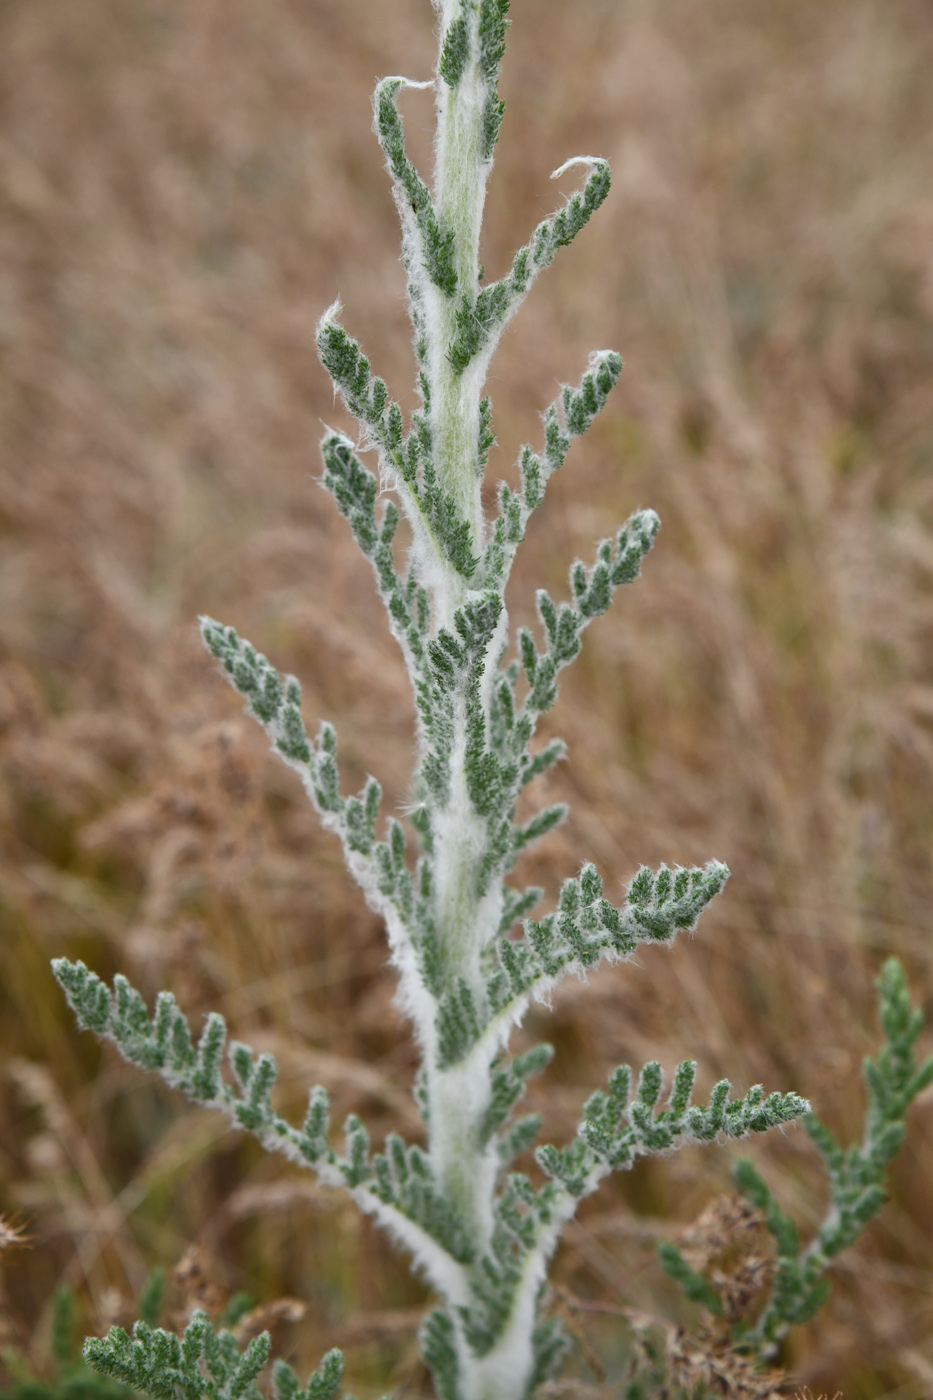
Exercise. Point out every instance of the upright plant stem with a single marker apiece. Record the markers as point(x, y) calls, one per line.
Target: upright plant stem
point(460, 1095)
point(461, 173)
point(468, 955)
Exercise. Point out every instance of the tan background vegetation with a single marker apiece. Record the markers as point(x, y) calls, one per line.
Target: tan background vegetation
point(185, 186)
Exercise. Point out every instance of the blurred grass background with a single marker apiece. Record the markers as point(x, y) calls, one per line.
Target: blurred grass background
point(184, 188)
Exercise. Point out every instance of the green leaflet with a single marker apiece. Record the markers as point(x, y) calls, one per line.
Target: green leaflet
point(203, 1365)
point(481, 317)
point(856, 1175)
point(436, 244)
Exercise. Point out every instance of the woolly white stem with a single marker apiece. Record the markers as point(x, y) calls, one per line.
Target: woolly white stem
point(461, 172)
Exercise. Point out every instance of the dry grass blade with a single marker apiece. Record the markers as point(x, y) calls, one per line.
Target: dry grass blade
point(13, 1234)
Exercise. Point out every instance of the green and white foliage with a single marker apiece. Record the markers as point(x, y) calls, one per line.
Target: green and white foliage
point(856, 1174)
point(204, 1365)
point(469, 956)
point(856, 1177)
